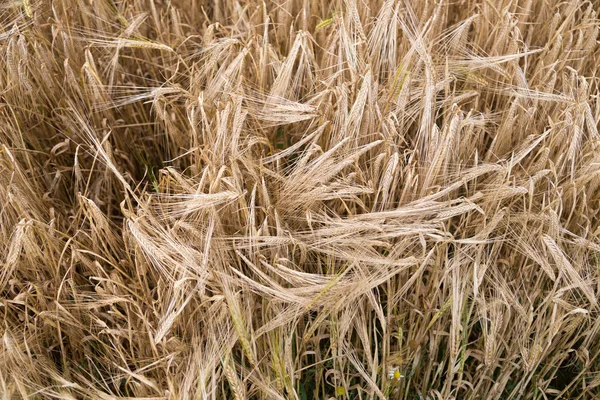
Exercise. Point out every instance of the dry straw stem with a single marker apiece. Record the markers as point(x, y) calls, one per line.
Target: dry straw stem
point(300, 199)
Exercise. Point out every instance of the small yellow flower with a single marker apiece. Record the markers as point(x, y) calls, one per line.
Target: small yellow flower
point(340, 391)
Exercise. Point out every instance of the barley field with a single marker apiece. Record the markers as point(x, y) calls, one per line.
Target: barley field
point(299, 199)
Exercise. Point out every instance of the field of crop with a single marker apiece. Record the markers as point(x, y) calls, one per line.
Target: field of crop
point(299, 199)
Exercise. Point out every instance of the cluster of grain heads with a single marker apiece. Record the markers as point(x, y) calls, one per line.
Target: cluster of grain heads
point(299, 199)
